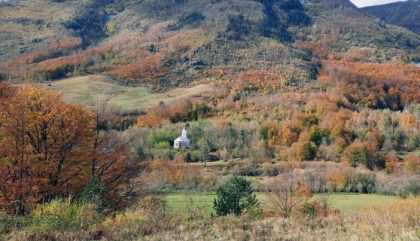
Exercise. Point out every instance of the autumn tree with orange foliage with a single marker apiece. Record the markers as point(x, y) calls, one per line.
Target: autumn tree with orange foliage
point(48, 148)
point(42, 143)
point(109, 158)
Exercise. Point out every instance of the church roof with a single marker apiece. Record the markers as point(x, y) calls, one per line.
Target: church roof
point(183, 139)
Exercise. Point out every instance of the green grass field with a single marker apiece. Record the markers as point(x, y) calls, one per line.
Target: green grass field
point(347, 203)
point(93, 89)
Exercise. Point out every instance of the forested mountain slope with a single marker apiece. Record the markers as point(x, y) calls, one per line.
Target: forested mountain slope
point(405, 14)
point(166, 43)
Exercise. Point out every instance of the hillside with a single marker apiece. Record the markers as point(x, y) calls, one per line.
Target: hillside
point(164, 44)
point(29, 25)
point(405, 14)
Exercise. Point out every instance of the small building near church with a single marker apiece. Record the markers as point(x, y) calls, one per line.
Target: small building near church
point(182, 142)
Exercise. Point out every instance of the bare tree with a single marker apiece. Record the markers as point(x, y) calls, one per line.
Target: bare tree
point(286, 193)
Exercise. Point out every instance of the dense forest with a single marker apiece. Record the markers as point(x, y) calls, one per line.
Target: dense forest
point(303, 121)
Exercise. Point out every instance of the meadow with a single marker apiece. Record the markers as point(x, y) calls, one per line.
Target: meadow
point(93, 89)
point(347, 203)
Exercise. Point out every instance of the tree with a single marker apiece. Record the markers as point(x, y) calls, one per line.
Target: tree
point(51, 149)
point(357, 153)
point(391, 162)
point(305, 151)
point(110, 163)
point(235, 197)
point(412, 163)
point(42, 145)
point(204, 146)
point(287, 192)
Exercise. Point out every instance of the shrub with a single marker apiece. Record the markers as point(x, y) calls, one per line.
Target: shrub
point(356, 154)
point(287, 193)
point(158, 138)
point(93, 193)
point(362, 183)
point(62, 215)
point(411, 187)
point(306, 151)
point(391, 162)
point(234, 197)
point(337, 179)
point(316, 136)
point(9, 223)
point(309, 209)
point(145, 219)
point(412, 163)
point(238, 28)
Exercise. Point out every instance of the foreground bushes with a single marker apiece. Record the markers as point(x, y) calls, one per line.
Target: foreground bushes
point(63, 215)
point(66, 220)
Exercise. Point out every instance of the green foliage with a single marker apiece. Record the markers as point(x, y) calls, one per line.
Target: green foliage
point(307, 151)
point(310, 120)
point(110, 26)
point(90, 23)
point(412, 187)
point(162, 145)
point(359, 155)
point(316, 136)
point(162, 138)
point(204, 146)
point(140, 153)
point(279, 15)
point(264, 133)
point(309, 209)
point(9, 223)
point(362, 183)
point(93, 193)
point(234, 197)
point(238, 28)
point(64, 215)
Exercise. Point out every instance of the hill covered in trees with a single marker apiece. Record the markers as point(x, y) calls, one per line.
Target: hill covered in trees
point(404, 14)
point(169, 43)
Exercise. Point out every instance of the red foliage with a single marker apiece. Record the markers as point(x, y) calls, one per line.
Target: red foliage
point(147, 70)
point(389, 85)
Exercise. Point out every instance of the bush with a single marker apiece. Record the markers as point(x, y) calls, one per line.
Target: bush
point(157, 138)
point(356, 154)
point(62, 215)
point(411, 187)
point(234, 197)
point(309, 209)
point(362, 183)
point(238, 28)
point(93, 193)
point(9, 223)
point(306, 151)
point(145, 219)
point(412, 163)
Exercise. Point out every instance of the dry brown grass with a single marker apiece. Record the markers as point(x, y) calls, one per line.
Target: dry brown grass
point(399, 221)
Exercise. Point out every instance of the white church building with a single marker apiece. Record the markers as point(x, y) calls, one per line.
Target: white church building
point(182, 142)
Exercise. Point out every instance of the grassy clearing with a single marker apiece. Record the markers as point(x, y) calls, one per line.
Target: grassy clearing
point(89, 90)
point(347, 203)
